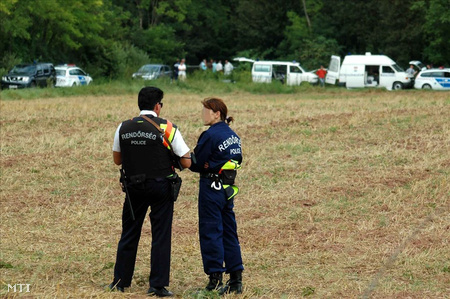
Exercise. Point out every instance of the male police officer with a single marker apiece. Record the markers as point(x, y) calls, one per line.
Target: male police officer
point(147, 164)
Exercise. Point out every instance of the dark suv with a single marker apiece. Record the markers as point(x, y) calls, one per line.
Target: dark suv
point(30, 75)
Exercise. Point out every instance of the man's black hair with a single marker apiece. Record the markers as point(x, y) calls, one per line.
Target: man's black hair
point(148, 97)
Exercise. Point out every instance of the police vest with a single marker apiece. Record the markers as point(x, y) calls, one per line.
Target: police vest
point(142, 148)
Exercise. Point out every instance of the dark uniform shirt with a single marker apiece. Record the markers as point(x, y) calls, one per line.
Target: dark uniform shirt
point(216, 146)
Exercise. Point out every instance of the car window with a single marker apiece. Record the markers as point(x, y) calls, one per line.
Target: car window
point(39, 70)
point(334, 65)
point(24, 69)
point(149, 69)
point(447, 74)
point(437, 74)
point(60, 72)
point(262, 68)
point(398, 68)
point(387, 69)
point(46, 70)
point(294, 69)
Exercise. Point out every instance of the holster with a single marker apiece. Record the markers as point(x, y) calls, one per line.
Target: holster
point(175, 186)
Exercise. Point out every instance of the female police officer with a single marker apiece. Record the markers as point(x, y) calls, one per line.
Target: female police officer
point(217, 149)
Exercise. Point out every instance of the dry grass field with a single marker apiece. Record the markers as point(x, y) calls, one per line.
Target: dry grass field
point(344, 194)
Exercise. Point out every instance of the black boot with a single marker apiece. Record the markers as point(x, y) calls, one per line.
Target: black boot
point(234, 285)
point(215, 282)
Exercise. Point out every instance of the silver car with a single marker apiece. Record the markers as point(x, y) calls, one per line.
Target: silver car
point(153, 71)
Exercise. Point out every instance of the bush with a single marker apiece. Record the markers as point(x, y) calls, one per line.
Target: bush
point(7, 62)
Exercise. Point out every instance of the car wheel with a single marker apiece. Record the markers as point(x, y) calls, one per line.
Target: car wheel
point(74, 84)
point(426, 86)
point(397, 86)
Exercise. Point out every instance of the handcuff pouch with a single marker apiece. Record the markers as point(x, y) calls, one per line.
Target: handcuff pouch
point(228, 176)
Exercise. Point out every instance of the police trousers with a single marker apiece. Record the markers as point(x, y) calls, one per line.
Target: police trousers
point(154, 193)
point(219, 242)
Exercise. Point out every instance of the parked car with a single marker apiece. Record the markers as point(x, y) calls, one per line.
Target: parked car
point(287, 72)
point(358, 71)
point(70, 75)
point(153, 71)
point(438, 79)
point(30, 75)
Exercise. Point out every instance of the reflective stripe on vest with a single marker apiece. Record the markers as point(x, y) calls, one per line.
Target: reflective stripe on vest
point(230, 165)
point(169, 132)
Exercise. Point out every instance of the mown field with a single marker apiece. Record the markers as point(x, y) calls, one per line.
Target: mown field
point(344, 194)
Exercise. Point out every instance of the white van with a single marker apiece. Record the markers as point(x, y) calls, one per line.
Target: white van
point(367, 71)
point(290, 73)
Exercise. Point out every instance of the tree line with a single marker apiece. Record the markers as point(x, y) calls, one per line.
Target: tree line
point(111, 38)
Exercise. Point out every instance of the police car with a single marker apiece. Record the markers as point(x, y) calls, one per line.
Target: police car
point(438, 79)
point(70, 75)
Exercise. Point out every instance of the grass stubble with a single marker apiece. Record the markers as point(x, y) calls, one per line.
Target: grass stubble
point(343, 195)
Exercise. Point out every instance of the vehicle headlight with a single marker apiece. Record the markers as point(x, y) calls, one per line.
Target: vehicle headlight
point(4, 78)
point(25, 78)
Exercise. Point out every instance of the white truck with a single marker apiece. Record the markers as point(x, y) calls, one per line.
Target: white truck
point(368, 70)
point(290, 73)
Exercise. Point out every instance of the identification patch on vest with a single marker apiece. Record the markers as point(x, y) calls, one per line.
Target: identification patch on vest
point(139, 134)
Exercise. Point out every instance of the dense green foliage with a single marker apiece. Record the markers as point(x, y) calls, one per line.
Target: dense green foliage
point(112, 38)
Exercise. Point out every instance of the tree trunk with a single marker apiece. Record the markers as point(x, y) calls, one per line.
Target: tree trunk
point(306, 14)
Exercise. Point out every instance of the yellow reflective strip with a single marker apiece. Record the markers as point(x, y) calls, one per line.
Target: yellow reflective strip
point(234, 188)
point(231, 165)
point(171, 133)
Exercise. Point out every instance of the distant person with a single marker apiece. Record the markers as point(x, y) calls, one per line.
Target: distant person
point(411, 72)
point(219, 66)
point(214, 66)
point(175, 69)
point(429, 67)
point(209, 64)
point(182, 70)
point(321, 73)
point(203, 65)
point(376, 77)
point(228, 68)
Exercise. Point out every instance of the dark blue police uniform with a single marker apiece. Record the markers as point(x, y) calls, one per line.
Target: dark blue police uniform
point(219, 241)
